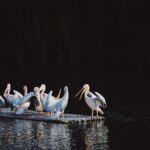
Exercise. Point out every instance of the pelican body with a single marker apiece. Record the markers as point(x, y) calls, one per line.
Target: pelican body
point(10, 97)
point(57, 105)
point(18, 102)
point(51, 103)
point(37, 101)
point(24, 101)
point(94, 101)
point(43, 99)
point(61, 106)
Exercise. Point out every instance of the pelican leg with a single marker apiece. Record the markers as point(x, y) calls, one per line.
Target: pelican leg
point(101, 111)
point(62, 114)
point(97, 114)
point(92, 112)
point(49, 113)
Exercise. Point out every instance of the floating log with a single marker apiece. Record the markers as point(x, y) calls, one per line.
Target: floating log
point(44, 117)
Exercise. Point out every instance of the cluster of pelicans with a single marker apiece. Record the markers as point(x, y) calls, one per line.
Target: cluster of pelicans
point(53, 106)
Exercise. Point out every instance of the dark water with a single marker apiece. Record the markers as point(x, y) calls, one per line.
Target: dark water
point(120, 129)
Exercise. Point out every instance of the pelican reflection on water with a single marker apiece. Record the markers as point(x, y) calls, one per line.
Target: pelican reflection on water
point(30, 134)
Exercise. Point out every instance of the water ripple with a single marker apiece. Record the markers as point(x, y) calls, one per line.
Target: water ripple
point(21, 134)
point(123, 126)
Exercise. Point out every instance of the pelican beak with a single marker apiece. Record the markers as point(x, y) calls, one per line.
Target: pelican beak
point(58, 94)
point(38, 90)
point(82, 92)
point(78, 92)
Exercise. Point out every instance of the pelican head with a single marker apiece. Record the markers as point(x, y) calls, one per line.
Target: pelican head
point(66, 88)
point(42, 88)
point(24, 87)
point(8, 85)
point(7, 90)
point(84, 89)
point(35, 89)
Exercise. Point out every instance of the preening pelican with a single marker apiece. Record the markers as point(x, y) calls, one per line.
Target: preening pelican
point(24, 99)
point(50, 104)
point(58, 106)
point(17, 101)
point(62, 104)
point(2, 102)
point(24, 106)
point(37, 101)
point(11, 97)
point(42, 96)
point(94, 101)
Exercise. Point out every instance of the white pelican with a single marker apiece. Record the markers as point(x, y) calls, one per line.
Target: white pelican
point(24, 99)
point(37, 101)
point(51, 103)
point(59, 105)
point(2, 102)
point(23, 107)
point(11, 97)
point(94, 101)
point(62, 104)
point(43, 96)
point(15, 101)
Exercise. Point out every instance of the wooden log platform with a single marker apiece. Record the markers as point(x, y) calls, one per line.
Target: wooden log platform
point(44, 117)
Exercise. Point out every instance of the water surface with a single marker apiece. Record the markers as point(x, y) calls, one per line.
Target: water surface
point(120, 129)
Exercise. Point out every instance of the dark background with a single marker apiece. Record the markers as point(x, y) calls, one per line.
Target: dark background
point(102, 43)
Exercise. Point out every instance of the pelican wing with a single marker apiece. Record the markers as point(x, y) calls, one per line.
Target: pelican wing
point(48, 98)
point(51, 103)
point(2, 101)
point(25, 98)
point(61, 106)
point(17, 94)
point(22, 108)
point(91, 94)
point(43, 99)
point(101, 99)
